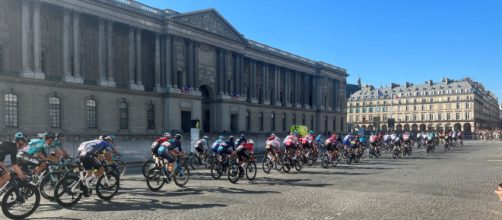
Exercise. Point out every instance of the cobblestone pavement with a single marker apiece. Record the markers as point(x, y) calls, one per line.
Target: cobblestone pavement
point(445, 185)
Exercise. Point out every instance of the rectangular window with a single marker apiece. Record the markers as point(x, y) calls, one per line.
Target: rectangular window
point(448, 116)
point(150, 118)
point(91, 113)
point(11, 104)
point(123, 115)
point(55, 112)
point(467, 116)
point(457, 116)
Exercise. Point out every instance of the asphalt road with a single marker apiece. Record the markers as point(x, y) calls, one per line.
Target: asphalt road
point(445, 185)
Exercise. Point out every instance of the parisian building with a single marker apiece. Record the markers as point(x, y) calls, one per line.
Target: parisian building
point(447, 105)
point(122, 67)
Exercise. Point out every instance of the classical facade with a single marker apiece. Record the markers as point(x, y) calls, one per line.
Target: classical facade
point(93, 66)
point(460, 105)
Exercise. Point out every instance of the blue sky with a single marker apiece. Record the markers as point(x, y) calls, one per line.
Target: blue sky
point(381, 41)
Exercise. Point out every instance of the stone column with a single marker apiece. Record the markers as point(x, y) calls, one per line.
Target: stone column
point(111, 63)
point(158, 87)
point(101, 52)
point(306, 90)
point(220, 71)
point(77, 77)
point(224, 72)
point(253, 82)
point(190, 68)
point(277, 89)
point(174, 63)
point(169, 67)
point(196, 66)
point(67, 77)
point(25, 41)
point(132, 75)
point(287, 74)
point(37, 52)
point(236, 59)
point(298, 90)
point(265, 84)
point(139, 72)
point(241, 88)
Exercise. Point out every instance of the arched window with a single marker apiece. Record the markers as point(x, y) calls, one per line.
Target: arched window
point(11, 116)
point(91, 110)
point(150, 116)
point(55, 112)
point(124, 115)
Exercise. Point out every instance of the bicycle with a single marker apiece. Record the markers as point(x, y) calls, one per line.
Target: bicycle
point(220, 165)
point(268, 164)
point(19, 193)
point(235, 170)
point(159, 175)
point(330, 157)
point(73, 187)
point(47, 180)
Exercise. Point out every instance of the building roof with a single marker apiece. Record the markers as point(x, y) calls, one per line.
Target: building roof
point(429, 88)
point(230, 31)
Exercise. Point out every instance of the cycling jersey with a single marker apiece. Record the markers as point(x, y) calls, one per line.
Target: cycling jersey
point(92, 148)
point(34, 146)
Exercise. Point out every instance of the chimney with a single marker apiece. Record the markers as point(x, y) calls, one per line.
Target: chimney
point(394, 85)
point(429, 82)
point(408, 85)
point(446, 80)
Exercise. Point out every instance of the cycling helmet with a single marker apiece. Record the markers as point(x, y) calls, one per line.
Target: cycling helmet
point(242, 135)
point(221, 138)
point(167, 135)
point(49, 135)
point(19, 136)
point(178, 136)
point(205, 137)
point(272, 135)
point(231, 138)
point(41, 136)
point(311, 132)
point(106, 137)
point(59, 135)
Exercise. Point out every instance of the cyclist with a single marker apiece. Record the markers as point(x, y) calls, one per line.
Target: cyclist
point(331, 143)
point(272, 145)
point(169, 150)
point(33, 152)
point(156, 144)
point(216, 144)
point(289, 143)
point(89, 154)
point(202, 145)
point(56, 151)
point(10, 148)
point(241, 140)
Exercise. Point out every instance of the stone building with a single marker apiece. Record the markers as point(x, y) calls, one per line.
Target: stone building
point(461, 105)
point(93, 66)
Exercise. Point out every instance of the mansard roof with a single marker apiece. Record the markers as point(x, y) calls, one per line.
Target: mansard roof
point(429, 88)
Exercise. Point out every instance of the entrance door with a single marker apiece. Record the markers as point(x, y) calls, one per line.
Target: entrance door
point(206, 108)
point(186, 117)
point(234, 120)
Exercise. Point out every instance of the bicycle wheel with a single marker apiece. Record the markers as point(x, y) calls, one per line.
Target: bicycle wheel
point(251, 171)
point(47, 186)
point(108, 186)
point(298, 165)
point(216, 170)
point(121, 166)
point(325, 161)
point(155, 179)
point(68, 191)
point(147, 166)
point(194, 162)
point(20, 208)
point(286, 165)
point(181, 175)
point(267, 165)
point(233, 172)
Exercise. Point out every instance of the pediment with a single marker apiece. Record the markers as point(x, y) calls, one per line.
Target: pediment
point(211, 21)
